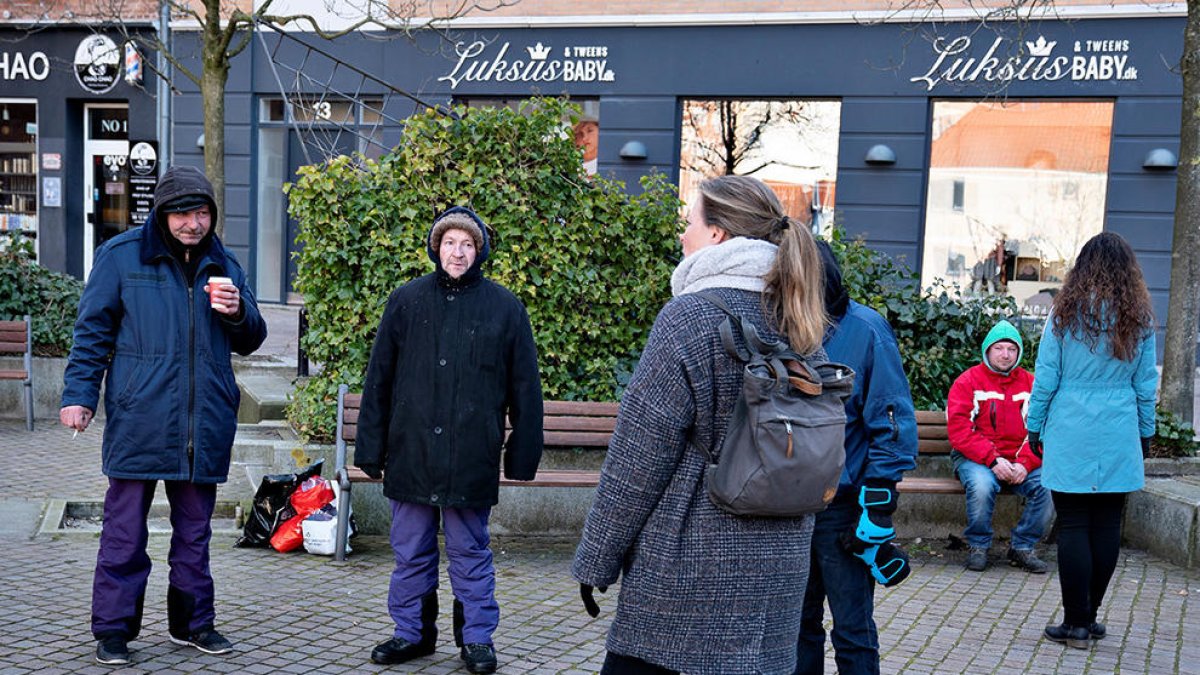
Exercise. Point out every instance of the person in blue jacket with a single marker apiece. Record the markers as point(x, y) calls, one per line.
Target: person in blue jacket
point(850, 543)
point(146, 320)
point(1091, 416)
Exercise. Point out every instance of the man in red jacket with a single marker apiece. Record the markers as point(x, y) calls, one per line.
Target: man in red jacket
point(985, 417)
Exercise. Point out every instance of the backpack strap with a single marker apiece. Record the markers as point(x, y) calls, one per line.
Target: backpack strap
point(775, 354)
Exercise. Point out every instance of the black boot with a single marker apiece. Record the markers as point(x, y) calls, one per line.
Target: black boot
point(1072, 636)
point(181, 607)
point(459, 620)
point(429, 614)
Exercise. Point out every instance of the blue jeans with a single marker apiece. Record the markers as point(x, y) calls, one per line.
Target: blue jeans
point(846, 582)
point(982, 487)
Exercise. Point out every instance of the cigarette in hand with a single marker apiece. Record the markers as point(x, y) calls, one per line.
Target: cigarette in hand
point(75, 434)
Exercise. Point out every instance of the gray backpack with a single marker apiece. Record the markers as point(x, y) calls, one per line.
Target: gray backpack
point(784, 447)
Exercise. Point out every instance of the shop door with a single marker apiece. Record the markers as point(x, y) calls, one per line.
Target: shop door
point(327, 144)
point(105, 176)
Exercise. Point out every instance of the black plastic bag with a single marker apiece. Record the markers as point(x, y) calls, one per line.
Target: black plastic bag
point(272, 505)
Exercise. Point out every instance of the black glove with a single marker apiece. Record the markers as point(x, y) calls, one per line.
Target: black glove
point(589, 602)
point(372, 470)
point(878, 501)
point(1146, 445)
point(1035, 444)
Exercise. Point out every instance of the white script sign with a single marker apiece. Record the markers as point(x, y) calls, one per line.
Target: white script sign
point(1034, 60)
point(540, 63)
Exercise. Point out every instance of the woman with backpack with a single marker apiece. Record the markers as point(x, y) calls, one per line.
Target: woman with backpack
point(1091, 416)
point(704, 591)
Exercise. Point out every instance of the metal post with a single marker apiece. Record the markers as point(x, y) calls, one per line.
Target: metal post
point(163, 90)
point(301, 355)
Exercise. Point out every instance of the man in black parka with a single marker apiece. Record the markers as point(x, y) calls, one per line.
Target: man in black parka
point(453, 356)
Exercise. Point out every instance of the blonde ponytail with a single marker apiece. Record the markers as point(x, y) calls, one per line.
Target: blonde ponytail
point(795, 286)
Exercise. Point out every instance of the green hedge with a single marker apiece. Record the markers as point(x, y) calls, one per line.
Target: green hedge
point(591, 263)
point(52, 298)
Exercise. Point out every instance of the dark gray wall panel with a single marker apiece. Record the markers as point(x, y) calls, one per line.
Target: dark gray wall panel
point(910, 150)
point(1128, 153)
point(1140, 194)
point(880, 187)
point(1144, 232)
point(885, 115)
point(649, 112)
point(1147, 116)
point(896, 225)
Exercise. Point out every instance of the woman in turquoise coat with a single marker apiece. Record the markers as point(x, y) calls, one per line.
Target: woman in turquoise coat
point(1091, 414)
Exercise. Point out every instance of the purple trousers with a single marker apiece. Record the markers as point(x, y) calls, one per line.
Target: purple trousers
point(472, 575)
point(122, 566)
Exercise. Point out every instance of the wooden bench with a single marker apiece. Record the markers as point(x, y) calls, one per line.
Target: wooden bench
point(565, 424)
point(16, 337)
point(582, 424)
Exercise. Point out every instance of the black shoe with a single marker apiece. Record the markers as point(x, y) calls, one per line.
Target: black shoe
point(1072, 636)
point(977, 559)
point(1026, 560)
point(112, 651)
point(399, 650)
point(480, 658)
point(1097, 631)
point(207, 641)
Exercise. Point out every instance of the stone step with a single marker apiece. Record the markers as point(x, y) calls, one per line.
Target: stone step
point(264, 395)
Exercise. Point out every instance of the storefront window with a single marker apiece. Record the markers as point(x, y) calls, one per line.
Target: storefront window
point(1015, 189)
point(18, 167)
point(791, 145)
point(586, 131)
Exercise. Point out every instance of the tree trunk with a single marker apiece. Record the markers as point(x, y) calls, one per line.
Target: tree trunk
point(1183, 308)
point(212, 91)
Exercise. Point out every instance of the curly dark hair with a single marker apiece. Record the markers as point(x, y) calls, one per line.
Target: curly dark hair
point(1105, 295)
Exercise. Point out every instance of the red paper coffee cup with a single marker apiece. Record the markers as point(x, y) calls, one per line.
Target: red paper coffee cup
point(213, 284)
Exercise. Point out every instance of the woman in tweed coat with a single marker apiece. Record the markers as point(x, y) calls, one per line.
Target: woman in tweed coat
point(704, 591)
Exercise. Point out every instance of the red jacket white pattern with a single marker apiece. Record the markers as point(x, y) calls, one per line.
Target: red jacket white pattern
point(985, 416)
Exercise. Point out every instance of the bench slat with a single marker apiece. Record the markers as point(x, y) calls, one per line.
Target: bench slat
point(17, 336)
point(937, 486)
point(12, 347)
point(605, 424)
point(544, 478)
point(934, 417)
point(12, 326)
point(352, 401)
point(350, 416)
point(581, 408)
point(926, 446)
point(577, 439)
point(13, 375)
point(349, 432)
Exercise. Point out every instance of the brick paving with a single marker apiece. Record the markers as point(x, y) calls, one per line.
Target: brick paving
point(298, 613)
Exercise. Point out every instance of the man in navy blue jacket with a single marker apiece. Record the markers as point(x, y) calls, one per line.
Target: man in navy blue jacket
point(146, 319)
point(881, 444)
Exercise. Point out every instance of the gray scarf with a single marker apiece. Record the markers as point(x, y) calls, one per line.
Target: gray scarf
point(740, 263)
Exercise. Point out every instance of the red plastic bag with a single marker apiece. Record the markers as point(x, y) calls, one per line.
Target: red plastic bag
point(308, 498)
point(290, 535)
point(311, 496)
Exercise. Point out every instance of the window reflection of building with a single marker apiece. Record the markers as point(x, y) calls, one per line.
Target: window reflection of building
point(1030, 173)
point(791, 145)
point(587, 139)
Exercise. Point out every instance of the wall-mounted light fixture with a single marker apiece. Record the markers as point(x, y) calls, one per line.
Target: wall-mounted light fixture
point(1160, 159)
point(880, 155)
point(633, 150)
point(200, 141)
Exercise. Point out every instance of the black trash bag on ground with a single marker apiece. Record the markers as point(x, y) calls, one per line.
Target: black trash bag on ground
point(272, 505)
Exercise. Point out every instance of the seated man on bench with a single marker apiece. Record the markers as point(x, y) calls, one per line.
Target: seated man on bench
point(985, 419)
